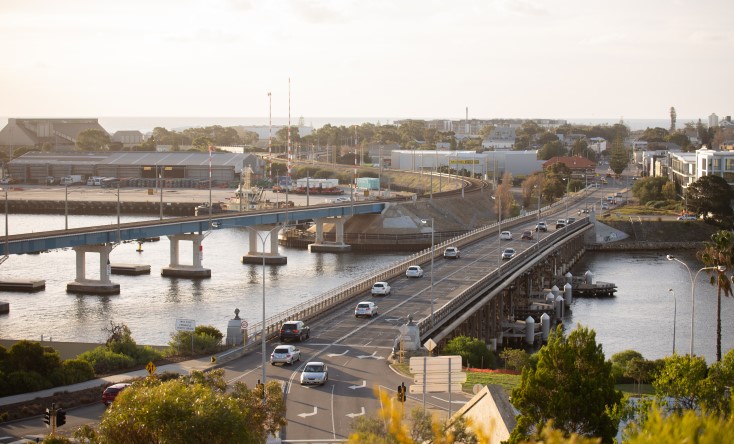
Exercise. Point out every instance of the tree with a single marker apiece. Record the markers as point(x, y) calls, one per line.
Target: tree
point(711, 196)
point(515, 359)
point(92, 140)
point(192, 410)
point(649, 189)
point(531, 187)
point(619, 157)
point(687, 427)
point(720, 251)
point(473, 352)
point(572, 385)
point(504, 195)
point(717, 393)
point(680, 381)
point(551, 149)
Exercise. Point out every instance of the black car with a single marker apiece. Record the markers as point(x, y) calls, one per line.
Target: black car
point(294, 330)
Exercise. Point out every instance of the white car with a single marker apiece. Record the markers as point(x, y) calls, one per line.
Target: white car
point(365, 308)
point(687, 217)
point(381, 288)
point(509, 253)
point(414, 271)
point(505, 235)
point(285, 354)
point(452, 253)
point(314, 373)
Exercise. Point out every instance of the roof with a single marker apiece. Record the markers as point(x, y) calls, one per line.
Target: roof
point(573, 163)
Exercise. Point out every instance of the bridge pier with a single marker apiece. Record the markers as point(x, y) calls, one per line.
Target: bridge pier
point(272, 257)
point(176, 269)
point(103, 285)
point(321, 246)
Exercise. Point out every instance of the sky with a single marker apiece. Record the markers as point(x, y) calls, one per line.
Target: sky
point(427, 59)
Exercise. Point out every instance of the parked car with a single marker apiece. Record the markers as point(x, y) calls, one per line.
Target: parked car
point(687, 217)
point(452, 253)
point(527, 235)
point(285, 354)
point(541, 226)
point(509, 253)
point(110, 393)
point(414, 271)
point(505, 235)
point(365, 308)
point(314, 373)
point(294, 330)
point(381, 288)
point(560, 223)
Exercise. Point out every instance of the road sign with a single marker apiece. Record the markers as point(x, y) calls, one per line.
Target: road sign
point(185, 325)
point(439, 378)
point(417, 389)
point(435, 364)
point(430, 344)
point(150, 367)
point(243, 325)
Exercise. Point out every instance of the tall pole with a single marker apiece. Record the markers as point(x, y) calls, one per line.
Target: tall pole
point(118, 211)
point(270, 136)
point(7, 249)
point(66, 207)
point(675, 309)
point(288, 179)
point(160, 182)
point(537, 241)
point(433, 253)
point(210, 187)
point(262, 333)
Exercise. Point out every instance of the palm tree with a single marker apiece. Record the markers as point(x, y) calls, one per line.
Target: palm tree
point(720, 251)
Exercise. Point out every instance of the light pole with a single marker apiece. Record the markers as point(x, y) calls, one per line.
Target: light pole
point(7, 249)
point(719, 268)
point(262, 332)
point(675, 309)
point(433, 253)
point(498, 198)
point(537, 226)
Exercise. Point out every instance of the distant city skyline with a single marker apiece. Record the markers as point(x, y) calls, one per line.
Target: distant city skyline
point(559, 59)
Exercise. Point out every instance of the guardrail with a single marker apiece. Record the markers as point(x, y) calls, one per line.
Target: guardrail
point(312, 309)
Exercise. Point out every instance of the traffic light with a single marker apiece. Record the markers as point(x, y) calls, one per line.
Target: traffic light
point(47, 417)
point(60, 417)
point(401, 393)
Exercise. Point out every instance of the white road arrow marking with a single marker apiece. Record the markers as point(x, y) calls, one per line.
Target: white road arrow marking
point(331, 355)
point(372, 356)
point(446, 400)
point(355, 387)
point(315, 410)
point(354, 415)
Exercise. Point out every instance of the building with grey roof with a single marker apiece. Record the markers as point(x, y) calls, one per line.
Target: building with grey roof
point(59, 133)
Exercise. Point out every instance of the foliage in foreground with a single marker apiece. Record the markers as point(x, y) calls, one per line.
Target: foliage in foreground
point(120, 351)
point(686, 427)
point(193, 409)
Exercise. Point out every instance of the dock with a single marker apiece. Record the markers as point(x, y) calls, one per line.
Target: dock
point(4, 307)
point(596, 290)
point(129, 269)
point(22, 285)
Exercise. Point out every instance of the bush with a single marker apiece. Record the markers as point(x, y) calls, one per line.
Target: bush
point(23, 381)
point(620, 361)
point(180, 344)
point(515, 359)
point(105, 361)
point(143, 355)
point(77, 370)
point(473, 352)
point(209, 330)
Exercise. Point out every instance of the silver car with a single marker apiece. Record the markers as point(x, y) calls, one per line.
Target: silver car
point(314, 373)
point(285, 354)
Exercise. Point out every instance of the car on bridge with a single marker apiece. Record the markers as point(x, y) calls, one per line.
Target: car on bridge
point(285, 354)
point(687, 217)
point(570, 220)
point(314, 373)
point(527, 235)
point(452, 253)
point(541, 226)
point(560, 223)
point(381, 289)
point(506, 235)
point(509, 253)
point(414, 271)
point(365, 308)
point(294, 330)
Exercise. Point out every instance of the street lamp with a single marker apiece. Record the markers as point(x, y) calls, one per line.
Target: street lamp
point(7, 249)
point(719, 268)
point(498, 198)
point(433, 253)
point(675, 309)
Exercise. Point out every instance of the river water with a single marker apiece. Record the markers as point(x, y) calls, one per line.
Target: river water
point(639, 317)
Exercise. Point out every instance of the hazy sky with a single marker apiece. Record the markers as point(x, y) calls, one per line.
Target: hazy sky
point(368, 58)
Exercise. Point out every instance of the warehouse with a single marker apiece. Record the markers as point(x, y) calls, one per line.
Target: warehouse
point(180, 167)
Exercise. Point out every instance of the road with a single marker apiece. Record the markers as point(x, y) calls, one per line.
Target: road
point(356, 349)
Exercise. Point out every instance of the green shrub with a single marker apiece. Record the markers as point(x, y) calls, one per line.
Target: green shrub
point(24, 381)
point(180, 344)
point(515, 359)
point(77, 370)
point(104, 361)
point(209, 330)
point(473, 352)
point(145, 354)
point(620, 361)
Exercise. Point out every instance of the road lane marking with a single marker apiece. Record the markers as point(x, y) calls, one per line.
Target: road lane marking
point(354, 415)
point(315, 410)
point(331, 355)
point(372, 356)
point(355, 387)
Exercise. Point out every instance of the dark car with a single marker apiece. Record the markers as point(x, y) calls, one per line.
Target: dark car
point(111, 392)
point(294, 330)
point(527, 235)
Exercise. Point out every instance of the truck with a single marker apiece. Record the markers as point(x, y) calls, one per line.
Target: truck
point(72, 179)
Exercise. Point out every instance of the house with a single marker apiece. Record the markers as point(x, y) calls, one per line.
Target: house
point(501, 138)
point(128, 138)
point(580, 167)
point(597, 144)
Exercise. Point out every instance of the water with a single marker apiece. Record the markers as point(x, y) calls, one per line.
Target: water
point(640, 317)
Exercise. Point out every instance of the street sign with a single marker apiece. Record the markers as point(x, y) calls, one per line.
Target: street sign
point(435, 364)
point(243, 325)
point(439, 378)
point(185, 325)
point(435, 388)
point(150, 367)
point(430, 344)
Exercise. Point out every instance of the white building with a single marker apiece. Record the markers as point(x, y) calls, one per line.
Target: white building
point(598, 144)
point(713, 120)
point(488, 164)
point(686, 168)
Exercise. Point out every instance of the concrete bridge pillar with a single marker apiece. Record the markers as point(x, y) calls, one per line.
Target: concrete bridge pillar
point(338, 246)
point(103, 285)
point(260, 237)
point(195, 270)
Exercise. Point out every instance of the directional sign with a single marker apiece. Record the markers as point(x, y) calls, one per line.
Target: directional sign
point(150, 367)
point(185, 325)
point(435, 364)
point(434, 388)
point(439, 378)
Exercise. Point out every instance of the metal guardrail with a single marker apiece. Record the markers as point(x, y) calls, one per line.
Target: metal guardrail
point(316, 307)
